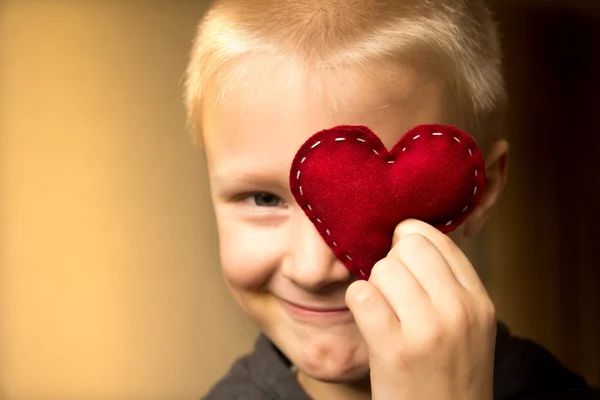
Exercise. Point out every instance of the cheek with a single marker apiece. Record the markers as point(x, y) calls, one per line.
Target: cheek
point(249, 255)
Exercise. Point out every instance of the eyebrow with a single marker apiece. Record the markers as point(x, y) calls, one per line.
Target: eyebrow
point(266, 178)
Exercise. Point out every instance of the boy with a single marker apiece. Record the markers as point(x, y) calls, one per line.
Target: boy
point(263, 77)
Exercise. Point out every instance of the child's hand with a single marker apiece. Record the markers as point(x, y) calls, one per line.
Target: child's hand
point(427, 319)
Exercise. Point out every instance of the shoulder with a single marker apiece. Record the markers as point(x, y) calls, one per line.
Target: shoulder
point(243, 379)
point(237, 384)
point(264, 374)
point(525, 370)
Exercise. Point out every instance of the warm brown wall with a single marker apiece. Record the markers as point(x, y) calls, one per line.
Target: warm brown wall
point(543, 267)
point(109, 282)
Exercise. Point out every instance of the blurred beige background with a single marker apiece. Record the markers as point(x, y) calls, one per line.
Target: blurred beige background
point(109, 282)
point(109, 279)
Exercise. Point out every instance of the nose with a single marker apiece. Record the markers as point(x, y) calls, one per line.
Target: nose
point(310, 263)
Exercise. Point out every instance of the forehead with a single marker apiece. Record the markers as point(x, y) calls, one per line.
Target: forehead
point(270, 112)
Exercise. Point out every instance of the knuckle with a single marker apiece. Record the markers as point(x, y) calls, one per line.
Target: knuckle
point(446, 243)
point(434, 337)
point(381, 268)
point(409, 243)
point(458, 315)
point(403, 228)
point(414, 239)
point(489, 313)
point(446, 246)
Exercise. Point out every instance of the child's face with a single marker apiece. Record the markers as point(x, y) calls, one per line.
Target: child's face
point(271, 253)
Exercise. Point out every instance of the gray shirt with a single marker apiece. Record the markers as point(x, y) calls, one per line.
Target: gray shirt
point(523, 370)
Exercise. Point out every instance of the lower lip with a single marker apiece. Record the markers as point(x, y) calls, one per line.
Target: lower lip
point(304, 313)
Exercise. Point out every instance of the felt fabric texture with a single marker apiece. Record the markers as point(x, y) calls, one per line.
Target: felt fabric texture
point(355, 191)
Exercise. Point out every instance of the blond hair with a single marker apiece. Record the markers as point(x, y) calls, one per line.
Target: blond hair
point(458, 38)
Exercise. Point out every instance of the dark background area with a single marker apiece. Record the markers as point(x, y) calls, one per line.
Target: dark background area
point(544, 268)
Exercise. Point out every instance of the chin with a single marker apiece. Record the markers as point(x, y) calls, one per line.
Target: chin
point(345, 376)
point(340, 356)
point(327, 352)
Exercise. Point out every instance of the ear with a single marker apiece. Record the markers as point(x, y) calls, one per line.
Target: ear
point(496, 175)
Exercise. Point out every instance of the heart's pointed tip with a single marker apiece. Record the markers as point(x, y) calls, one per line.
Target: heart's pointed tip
point(361, 274)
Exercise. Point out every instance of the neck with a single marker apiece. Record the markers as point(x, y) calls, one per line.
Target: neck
point(318, 390)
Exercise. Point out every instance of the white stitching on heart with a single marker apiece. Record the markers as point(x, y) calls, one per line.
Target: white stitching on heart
point(340, 139)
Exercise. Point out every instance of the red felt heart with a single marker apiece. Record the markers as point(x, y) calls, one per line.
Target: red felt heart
point(355, 191)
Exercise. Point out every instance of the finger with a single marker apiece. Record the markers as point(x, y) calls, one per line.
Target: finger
point(457, 261)
point(429, 267)
point(374, 317)
point(404, 293)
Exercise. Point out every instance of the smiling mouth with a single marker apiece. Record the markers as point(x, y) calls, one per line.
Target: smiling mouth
point(316, 309)
point(317, 315)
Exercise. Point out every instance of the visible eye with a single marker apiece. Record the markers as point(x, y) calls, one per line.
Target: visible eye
point(266, 200)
